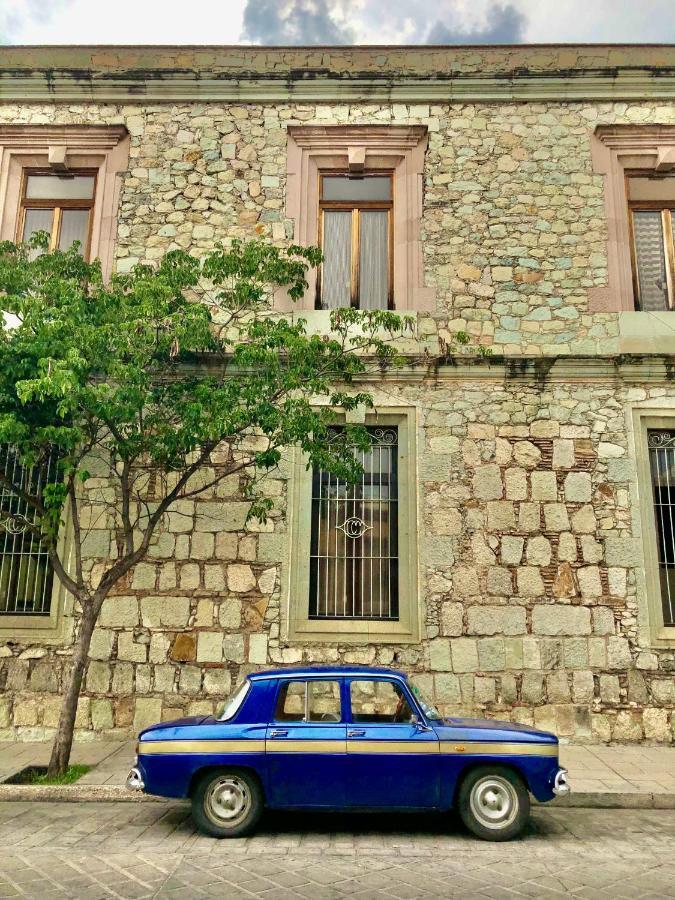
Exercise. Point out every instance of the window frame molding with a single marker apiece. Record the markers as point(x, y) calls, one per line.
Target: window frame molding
point(297, 627)
point(367, 149)
point(617, 150)
point(653, 631)
point(104, 149)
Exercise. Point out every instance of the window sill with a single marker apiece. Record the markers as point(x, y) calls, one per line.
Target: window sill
point(32, 628)
point(353, 632)
point(664, 638)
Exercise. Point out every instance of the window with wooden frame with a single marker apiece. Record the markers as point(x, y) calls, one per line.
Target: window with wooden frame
point(651, 202)
point(356, 238)
point(60, 204)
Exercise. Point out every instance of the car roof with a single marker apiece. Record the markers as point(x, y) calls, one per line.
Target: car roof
point(336, 670)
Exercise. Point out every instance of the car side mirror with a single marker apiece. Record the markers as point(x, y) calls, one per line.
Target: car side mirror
point(419, 725)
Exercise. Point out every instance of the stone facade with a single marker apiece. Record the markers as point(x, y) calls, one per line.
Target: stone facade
point(531, 563)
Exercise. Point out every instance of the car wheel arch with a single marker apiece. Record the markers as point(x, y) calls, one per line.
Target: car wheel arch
point(472, 765)
point(202, 771)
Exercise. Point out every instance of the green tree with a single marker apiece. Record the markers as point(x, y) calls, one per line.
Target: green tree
point(138, 384)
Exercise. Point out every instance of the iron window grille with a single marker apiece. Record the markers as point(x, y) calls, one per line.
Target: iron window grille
point(662, 463)
point(26, 575)
point(354, 561)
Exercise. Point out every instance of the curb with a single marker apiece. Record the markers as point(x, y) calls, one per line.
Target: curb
point(90, 793)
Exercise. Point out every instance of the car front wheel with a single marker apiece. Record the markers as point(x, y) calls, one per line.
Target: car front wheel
point(227, 803)
point(494, 803)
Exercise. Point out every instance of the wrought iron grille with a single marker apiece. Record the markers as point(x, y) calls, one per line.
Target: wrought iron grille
point(25, 573)
point(353, 571)
point(662, 462)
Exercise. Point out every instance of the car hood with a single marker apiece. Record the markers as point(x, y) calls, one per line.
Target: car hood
point(176, 723)
point(491, 730)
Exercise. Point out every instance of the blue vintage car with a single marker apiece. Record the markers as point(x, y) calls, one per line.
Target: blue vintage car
point(345, 738)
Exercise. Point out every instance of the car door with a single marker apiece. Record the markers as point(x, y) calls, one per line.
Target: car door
point(393, 758)
point(305, 744)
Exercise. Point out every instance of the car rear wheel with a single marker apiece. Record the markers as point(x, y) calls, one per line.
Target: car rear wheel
point(493, 803)
point(227, 803)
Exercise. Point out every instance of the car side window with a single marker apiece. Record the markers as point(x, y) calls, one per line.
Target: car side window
point(308, 701)
point(379, 702)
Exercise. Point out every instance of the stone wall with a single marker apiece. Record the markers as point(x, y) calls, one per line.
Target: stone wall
point(528, 563)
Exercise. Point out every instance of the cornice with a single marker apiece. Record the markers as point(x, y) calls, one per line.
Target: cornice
point(85, 137)
point(380, 137)
point(170, 86)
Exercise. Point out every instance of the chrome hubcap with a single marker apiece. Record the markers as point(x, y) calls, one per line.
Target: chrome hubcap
point(227, 801)
point(494, 802)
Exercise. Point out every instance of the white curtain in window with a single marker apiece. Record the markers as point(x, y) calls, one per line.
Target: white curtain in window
point(374, 261)
point(337, 252)
point(651, 262)
point(74, 223)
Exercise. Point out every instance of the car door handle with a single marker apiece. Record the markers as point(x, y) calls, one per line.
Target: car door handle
point(278, 732)
point(357, 732)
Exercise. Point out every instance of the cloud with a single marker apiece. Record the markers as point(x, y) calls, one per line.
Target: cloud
point(505, 25)
point(296, 22)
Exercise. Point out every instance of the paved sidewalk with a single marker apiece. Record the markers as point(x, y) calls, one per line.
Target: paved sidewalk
point(600, 775)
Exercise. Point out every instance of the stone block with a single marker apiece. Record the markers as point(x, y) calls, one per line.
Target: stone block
point(637, 688)
point(128, 649)
point(101, 712)
point(439, 655)
point(184, 648)
point(240, 579)
point(165, 679)
point(620, 549)
point(656, 725)
point(512, 550)
point(44, 677)
point(578, 487)
point(564, 584)
point(610, 689)
point(529, 517)
point(487, 482)
point(575, 652)
point(567, 547)
point(26, 712)
point(204, 614)
point(620, 470)
point(491, 657)
point(202, 545)
point(561, 620)
point(597, 653)
point(485, 690)
point(190, 680)
point(530, 583)
point(563, 453)
point(267, 580)
point(508, 689)
point(603, 620)
point(122, 679)
point(557, 687)
point(618, 653)
point(189, 576)
point(172, 612)
point(555, 517)
point(224, 516)
point(591, 550)
point(627, 727)
point(526, 454)
point(663, 691)
point(617, 581)
point(513, 652)
point(98, 677)
point(452, 615)
point(147, 711)
point(230, 612)
point(464, 655)
point(588, 578)
point(515, 481)
point(257, 649)
point(119, 612)
point(210, 646)
point(437, 550)
point(538, 551)
point(583, 687)
point(218, 682)
point(101, 644)
point(544, 486)
point(233, 648)
point(144, 577)
point(501, 515)
point(465, 582)
point(446, 688)
point(583, 520)
point(499, 582)
point(490, 620)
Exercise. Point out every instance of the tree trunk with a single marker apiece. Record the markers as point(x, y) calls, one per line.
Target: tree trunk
point(63, 740)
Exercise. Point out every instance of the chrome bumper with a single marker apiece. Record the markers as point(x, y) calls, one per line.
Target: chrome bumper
point(560, 785)
point(135, 780)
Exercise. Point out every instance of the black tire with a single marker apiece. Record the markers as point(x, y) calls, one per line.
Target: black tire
point(493, 803)
point(227, 803)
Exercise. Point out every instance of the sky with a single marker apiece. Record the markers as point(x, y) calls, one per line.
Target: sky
point(336, 21)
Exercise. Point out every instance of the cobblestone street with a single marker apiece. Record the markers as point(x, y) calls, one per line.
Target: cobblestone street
point(125, 850)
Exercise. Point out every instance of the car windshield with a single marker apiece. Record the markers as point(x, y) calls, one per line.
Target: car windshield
point(428, 709)
point(232, 705)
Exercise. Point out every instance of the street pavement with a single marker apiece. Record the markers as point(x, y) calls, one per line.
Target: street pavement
point(128, 850)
